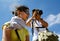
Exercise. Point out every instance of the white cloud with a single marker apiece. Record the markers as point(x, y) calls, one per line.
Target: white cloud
point(13, 5)
point(58, 36)
point(53, 19)
point(9, 0)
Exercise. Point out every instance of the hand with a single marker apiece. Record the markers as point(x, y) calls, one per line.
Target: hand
point(40, 19)
point(34, 14)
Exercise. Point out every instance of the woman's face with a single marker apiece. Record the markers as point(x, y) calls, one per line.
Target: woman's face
point(37, 16)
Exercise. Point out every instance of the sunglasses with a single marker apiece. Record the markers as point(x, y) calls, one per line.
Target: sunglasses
point(27, 11)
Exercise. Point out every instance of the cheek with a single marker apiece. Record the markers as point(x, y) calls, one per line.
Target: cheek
point(24, 16)
point(36, 17)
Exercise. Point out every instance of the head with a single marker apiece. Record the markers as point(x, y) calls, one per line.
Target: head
point(37, 13)
point(22, 12)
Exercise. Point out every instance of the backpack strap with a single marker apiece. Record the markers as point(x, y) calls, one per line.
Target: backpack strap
point(32, 26)
point(17, 35)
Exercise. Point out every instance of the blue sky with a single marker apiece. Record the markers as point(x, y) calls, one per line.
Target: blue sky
point(51, 11)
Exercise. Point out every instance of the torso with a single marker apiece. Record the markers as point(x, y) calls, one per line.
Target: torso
point(37, 24)
point(23, 32)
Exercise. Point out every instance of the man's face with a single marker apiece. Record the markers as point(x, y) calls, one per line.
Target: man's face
point(24, 15)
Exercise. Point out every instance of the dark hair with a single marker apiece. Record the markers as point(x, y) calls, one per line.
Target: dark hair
point(21, 8)
point(40, 12)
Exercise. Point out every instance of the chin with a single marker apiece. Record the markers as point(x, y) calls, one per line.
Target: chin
point(25, 19)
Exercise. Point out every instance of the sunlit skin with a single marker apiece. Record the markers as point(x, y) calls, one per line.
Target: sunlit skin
point(22, 15)
point(38, 17)
point(6, 36)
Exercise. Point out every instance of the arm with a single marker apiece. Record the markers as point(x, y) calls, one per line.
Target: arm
point(6, 34)
point(27, 38)
point(44, 24)
point(28, 22)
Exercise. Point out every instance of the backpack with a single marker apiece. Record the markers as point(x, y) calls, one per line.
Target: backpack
point(19, 34)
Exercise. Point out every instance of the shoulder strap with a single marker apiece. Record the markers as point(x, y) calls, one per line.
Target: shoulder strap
point(32, 26)
point(6, 25)
point(17, 35)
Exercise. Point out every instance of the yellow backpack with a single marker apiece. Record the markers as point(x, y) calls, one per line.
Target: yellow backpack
point(21, 32)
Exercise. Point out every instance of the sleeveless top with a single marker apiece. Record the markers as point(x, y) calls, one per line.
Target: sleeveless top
point(35, 24)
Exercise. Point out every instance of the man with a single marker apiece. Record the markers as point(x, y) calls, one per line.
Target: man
point(36, 22)
point(16, 29)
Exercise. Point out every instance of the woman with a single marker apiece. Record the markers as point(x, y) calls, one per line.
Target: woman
point(36, 22)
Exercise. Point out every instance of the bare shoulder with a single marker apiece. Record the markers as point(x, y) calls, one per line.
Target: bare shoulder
point(6, 25)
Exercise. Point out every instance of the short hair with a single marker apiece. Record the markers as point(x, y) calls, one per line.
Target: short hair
point(40, 12)
point(21, 8)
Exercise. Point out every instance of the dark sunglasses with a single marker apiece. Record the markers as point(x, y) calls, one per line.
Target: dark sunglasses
point(27, 11)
